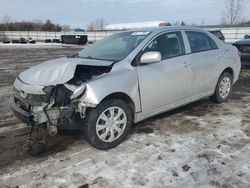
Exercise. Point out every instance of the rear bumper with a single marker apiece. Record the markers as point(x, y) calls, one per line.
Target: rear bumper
point(19, 112)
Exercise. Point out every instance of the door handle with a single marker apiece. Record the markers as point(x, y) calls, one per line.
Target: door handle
point(219, 56)
point(185, 64)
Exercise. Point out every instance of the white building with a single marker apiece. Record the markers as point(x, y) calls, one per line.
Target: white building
point(135, 25)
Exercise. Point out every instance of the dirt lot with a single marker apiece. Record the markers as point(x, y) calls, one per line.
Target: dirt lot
point(200, 145)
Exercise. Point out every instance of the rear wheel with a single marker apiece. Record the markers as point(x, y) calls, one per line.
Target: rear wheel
point(107, 125)
point(223, 88)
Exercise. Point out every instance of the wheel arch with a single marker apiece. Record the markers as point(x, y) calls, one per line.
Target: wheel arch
point(122, 96)
point(230, 71)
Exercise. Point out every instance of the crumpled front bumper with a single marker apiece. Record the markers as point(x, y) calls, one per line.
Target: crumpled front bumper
point(19, 112)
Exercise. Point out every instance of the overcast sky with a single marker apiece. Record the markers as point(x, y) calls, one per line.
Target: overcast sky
point(77, 13)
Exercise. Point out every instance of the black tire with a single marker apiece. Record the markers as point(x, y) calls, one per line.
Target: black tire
point(36, 150)
point(36, 146)
point(216, 97)
point(91, 119)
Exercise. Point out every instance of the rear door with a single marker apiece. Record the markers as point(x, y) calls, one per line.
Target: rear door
point(205, 59)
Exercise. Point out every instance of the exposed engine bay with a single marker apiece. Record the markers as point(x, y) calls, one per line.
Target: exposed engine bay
point(59, 107)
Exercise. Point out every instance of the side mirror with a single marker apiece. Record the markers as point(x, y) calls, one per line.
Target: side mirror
point(150, 57)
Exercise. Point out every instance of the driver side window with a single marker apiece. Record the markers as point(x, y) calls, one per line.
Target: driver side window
point(168, 44)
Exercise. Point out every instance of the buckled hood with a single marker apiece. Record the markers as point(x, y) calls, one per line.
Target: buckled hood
point(58, 71)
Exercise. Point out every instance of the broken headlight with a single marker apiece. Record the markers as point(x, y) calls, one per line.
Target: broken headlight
point(78, 93)
point(48, 90)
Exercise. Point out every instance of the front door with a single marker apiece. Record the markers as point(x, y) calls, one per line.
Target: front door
point(168, 82)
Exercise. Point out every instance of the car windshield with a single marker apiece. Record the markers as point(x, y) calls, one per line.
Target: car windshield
point(114, 47)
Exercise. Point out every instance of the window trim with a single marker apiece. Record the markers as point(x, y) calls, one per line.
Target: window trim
point(201, 50)
point(136, 60)
point(166, 32)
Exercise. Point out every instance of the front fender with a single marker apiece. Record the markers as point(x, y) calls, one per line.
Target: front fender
point(124, 81)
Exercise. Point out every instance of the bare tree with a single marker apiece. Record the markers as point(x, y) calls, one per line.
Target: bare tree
point(233, 12)
point(6, 20)
point(99, 24)
point(90, 26)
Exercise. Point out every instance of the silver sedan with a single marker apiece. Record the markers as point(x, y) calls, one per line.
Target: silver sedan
point(124, 79)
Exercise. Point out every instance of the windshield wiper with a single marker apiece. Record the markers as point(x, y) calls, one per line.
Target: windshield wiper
point(90, 57)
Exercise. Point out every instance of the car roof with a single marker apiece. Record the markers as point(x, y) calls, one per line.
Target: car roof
point(165, 28)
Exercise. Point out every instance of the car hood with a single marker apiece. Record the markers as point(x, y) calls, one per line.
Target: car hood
point(58, 71)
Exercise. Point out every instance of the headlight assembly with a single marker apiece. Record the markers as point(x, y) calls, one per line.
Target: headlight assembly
point(78, 93)
point(48, 89)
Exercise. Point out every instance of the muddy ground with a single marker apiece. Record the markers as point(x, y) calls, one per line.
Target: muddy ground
point(200, 145)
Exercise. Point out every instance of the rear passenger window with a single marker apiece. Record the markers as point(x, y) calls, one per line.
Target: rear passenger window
point(200, 41)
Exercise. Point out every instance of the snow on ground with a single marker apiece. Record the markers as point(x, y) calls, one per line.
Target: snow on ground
point(170, 151)
point(200, 145)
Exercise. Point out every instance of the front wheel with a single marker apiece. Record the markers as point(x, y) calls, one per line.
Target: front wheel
point(223, 88)
point(107, 125)
point(35, 145)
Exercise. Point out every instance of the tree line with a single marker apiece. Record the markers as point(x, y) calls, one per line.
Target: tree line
point(37, 25)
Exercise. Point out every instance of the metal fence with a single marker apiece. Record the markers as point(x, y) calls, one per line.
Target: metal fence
point(232, 34)
point(42, 35)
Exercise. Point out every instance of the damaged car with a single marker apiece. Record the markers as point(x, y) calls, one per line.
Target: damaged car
point(121, 80)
